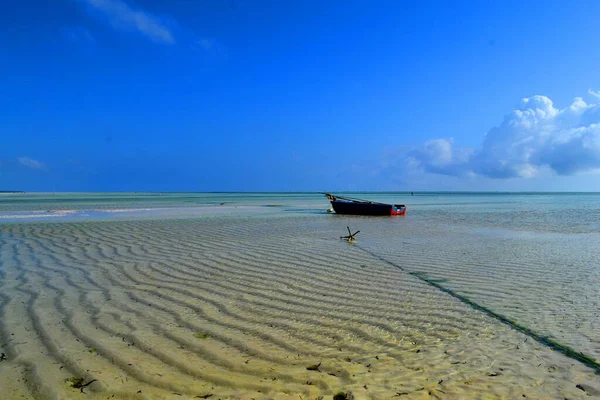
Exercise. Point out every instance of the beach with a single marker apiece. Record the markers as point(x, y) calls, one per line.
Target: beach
point(226, 296)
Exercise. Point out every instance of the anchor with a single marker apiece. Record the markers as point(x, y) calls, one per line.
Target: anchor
point(350, 238)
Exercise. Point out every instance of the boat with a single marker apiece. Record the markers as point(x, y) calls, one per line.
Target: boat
point(347, 205)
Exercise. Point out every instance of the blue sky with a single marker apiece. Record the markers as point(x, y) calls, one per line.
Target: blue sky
point(124, 95)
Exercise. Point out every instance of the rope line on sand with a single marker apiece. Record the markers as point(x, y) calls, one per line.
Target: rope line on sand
point(544, 340)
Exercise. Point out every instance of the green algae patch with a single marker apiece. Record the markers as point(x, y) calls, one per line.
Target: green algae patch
point(200, 335)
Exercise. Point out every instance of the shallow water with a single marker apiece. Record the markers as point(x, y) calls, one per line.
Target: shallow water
point(238, 300)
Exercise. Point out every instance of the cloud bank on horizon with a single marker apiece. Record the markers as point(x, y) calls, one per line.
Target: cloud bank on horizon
point(534, 137)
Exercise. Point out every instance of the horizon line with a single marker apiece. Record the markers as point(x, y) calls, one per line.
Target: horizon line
point(306, 192)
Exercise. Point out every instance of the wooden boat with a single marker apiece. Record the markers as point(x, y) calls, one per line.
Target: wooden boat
point(347, 205)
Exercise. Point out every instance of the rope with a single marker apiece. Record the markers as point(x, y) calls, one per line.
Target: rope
point(544, 340)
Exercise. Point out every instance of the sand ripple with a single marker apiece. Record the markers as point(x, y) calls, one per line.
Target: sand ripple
point(240, 308)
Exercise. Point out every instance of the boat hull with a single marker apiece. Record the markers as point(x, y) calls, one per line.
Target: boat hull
point(352, 208)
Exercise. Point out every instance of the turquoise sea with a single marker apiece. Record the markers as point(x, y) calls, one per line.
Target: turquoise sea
point(543, 212)
point(237, 294)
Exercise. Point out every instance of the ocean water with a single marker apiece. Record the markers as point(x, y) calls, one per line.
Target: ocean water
point(181, 295)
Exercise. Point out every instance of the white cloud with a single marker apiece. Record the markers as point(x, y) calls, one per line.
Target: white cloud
point(123, 17)
point(595, 93)
point(30, 162)
point(439, 156)
point(534, 137)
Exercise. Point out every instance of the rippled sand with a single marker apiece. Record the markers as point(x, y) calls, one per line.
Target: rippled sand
point(243, 308)
point(546, 281)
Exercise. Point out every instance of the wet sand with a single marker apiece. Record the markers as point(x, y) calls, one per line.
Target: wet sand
point(229, 308)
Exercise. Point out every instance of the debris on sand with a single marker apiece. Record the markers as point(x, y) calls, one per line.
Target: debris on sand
point(314, 367)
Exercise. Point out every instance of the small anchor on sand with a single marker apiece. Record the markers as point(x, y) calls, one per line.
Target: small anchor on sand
point(350, 238)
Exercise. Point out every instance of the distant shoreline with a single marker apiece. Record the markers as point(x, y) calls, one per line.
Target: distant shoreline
point(403, 192)
point(19, 195)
